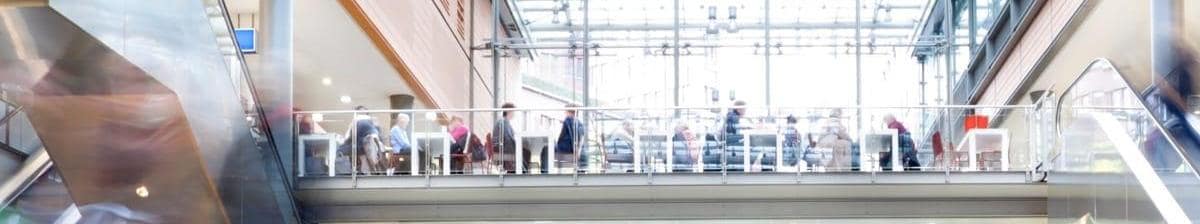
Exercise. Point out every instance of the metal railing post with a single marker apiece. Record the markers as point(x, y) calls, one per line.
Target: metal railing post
point(354, 149)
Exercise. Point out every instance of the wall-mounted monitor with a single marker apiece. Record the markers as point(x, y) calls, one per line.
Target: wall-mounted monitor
point(245, 39)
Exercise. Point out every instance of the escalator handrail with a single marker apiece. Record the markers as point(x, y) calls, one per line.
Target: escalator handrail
point(33, 168)
point(1191, 121)
point(260, 113)
point(1187, 158)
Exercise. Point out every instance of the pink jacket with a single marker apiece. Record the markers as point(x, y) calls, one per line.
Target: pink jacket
point(458, 132)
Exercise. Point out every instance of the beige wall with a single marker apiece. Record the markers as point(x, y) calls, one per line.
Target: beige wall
point(432, 51)
point(1113, 29)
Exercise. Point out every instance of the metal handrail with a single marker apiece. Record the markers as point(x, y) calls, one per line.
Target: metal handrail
point(29, 172)
point(662, 108)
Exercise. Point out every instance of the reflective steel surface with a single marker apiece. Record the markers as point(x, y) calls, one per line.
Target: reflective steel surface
point(139, 111)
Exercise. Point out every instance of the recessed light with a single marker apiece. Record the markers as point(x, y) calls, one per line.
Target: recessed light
point(345, 99)
point(142, 191)
point(327, 81)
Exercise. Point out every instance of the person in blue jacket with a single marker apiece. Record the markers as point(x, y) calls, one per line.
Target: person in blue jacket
point(569, 140)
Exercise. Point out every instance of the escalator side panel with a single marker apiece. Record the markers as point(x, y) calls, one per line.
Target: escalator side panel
point(1110, 167)
point(139, 109)
point(183, 53)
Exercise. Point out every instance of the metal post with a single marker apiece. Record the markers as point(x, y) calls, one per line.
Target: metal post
point(495, 44)
point(587, 46)
point(354, 149)
point(972, 25)
point(767, 52)
point(427, 160)
point(471, 69)
point(922, 83)
point(858, 99)
point(947, 117)
point(948, 31)
point(414, 153)
point(675, 91)
point(582, 114)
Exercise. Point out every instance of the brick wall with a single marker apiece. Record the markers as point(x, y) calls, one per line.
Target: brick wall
point(1046, 26)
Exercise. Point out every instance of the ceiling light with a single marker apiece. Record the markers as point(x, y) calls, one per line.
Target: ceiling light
point(344, 99)
point(142, 191)
point(327, 81)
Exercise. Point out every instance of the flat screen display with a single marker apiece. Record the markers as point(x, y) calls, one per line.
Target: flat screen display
point(245, 39)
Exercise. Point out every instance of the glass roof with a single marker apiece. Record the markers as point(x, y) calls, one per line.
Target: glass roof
point(724, 48)
point(629, 23)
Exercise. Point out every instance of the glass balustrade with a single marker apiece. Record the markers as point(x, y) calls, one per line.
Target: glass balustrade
point(665, 141)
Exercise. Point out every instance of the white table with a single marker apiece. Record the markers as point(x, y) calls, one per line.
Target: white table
point(534, 140)
point(330, 151)
point(638, 151)
point(748, 140)
point(891, 136)
point(985, 137)
point(439, 141)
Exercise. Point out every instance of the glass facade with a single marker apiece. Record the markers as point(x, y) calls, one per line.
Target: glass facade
point(710, 53)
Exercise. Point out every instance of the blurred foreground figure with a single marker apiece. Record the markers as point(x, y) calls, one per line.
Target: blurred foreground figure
point(1166, 98)
point(1174, 68)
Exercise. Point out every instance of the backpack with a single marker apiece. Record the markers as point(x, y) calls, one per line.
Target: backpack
point(459, 145)
point(477, 149)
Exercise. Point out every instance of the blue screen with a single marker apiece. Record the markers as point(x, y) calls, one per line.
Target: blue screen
point(245, 39)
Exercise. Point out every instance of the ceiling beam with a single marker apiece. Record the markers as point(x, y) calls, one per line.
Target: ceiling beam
point(883, 6)
point(703, 38)
point(697, 25)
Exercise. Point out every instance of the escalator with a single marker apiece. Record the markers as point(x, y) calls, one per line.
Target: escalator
point(146, 111)
point(1116, 161)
